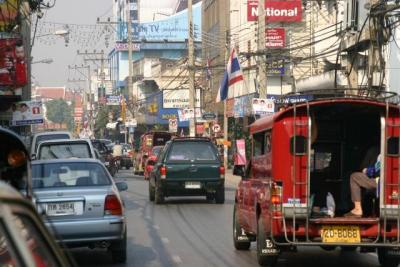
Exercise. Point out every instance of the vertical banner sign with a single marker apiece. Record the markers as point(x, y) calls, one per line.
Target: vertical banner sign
point(173, 125)
point(275, 38)
point(276, 11)
point(240, 159)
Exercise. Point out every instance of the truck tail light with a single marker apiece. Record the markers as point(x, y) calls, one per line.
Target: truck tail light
point(163, 172)
point(276, 199)
point(112, 205)
point(222, 172)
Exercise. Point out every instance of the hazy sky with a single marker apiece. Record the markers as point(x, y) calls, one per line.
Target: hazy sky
point(70, 12)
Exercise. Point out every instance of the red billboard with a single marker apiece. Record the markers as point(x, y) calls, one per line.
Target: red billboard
point(276, 11)
point(13, 72)
point(275, 38)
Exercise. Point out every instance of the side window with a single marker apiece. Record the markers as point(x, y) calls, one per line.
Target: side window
point(162, 152)
point(268, 142)
point(300, 143)
point(259, 144)
point(393, 146)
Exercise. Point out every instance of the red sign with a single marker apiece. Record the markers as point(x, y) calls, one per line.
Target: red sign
point(13, 72)
point(275, 38)
point(276, 11)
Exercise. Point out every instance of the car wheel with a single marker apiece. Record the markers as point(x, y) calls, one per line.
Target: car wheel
point(209, 197)
point(385, 260)
point(220, 195)
point(151, 192)
point(262, 258)
point(240, 239)
point(158, 195)
point(118, 250)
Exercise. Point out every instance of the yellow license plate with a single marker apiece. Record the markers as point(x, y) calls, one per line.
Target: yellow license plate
point(340, 234)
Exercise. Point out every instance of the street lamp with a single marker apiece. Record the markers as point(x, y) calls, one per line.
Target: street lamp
point(62, 33)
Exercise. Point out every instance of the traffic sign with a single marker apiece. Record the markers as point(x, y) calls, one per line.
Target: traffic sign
point(216, 128)
point(209, 116)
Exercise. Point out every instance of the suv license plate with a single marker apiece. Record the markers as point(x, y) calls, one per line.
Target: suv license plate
point(340, 234)
point(192, 185)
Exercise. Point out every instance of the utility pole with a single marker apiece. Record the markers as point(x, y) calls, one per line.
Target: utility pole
point(191, 66)
point(262, 76)
point(130, 77)
point(227, 54)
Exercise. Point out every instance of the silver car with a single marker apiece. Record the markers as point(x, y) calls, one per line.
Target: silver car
point(81, 204)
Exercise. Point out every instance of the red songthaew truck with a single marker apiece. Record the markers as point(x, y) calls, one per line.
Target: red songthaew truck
point(311, 148)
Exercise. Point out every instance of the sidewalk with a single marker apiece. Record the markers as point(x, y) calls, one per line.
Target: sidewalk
point(231, 179)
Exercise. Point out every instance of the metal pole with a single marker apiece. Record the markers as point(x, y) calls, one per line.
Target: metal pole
point(130, 87)
point(91, 122)
point(261, 47)
point(192, 92)
point(228, 46)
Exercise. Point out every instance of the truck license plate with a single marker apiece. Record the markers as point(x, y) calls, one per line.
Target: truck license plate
point(340, 234)
point(192, 185)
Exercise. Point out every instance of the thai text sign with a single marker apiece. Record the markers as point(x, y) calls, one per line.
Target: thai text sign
point(275, 38)
point(178, 98)
point(276, 67)
point(276, 11)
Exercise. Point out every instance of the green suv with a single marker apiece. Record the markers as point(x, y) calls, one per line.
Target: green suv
point(188, 167)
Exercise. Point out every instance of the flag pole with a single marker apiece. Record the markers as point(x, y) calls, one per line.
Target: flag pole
point(228, 46)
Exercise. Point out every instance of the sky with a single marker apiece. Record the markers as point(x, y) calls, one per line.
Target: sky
point(53, 47)
point(80, 12)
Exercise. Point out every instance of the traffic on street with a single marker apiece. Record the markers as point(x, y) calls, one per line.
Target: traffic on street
point(199, 133)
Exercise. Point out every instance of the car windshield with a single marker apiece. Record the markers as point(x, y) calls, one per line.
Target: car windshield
point(68, 174)
point(63, 151)
point(192, 151)
point(49, 137)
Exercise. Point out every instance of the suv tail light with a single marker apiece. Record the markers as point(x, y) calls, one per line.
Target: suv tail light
point(112, 205)
point(222, 172)
point(276, 199)
point(163, 172)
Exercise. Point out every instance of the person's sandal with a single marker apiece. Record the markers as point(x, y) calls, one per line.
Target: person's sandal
point(352, 215)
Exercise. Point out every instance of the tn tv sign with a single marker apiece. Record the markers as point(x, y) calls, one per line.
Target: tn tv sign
point(276, 11)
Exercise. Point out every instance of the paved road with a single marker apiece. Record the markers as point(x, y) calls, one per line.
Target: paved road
point(192, 232)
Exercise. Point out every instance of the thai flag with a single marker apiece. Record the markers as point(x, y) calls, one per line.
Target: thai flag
point(232, 75)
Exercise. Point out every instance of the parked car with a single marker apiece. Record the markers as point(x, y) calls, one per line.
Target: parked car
point(24, 239)
point(188, 167)
point(62, 149)
point(37, 138)
point(147, 142)
point(82, 204)
point(151, 161)
point(126, 157)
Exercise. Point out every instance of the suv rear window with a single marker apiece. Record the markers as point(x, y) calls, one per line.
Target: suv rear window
point(192, 151)
point(48, 137)
point(64, 151)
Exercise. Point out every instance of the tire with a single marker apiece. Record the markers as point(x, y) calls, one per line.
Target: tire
point(118, 250)
point(385, 260)
point(209, 197)
point(263, 260)
point(237, 230)
point(158, 194)
point(220, 195)
point(151, 192)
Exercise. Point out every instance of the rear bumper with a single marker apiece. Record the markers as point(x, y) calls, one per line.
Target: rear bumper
point(89, 230)
point(126, 162)
point(177, 187)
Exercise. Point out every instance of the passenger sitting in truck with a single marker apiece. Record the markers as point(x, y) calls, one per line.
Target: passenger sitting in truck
point(367, 178)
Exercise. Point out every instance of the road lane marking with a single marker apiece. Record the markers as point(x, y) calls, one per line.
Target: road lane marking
point(176, 259)
point(165, 240)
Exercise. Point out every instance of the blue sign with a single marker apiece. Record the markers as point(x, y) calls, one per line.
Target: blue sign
point(174, 28)
point(290, 99)
point(156, 114)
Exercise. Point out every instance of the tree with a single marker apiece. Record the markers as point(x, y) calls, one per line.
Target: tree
point(58, 111)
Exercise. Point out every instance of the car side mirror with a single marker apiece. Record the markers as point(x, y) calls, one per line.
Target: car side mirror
point(122, 186)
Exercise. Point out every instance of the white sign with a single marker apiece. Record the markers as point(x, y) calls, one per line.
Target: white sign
point(131, 123)
point(113, 100)
point(188, 113)
point(263, 106)
point(173, 125)
point(27, 113)
point(179, 98)
point(124, 47)
point(216, 128)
